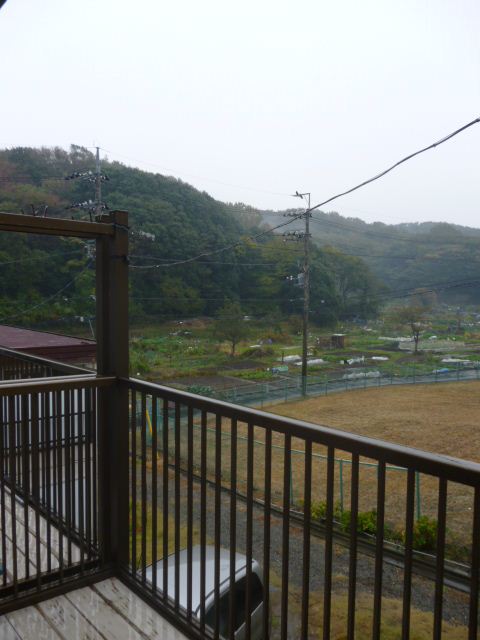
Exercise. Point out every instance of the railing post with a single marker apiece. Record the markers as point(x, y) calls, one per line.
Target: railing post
point(112, 359)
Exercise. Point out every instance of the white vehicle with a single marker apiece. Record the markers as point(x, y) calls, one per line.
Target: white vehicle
point(257, 599)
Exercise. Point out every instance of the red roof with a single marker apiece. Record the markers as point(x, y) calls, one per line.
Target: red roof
point(50, 345)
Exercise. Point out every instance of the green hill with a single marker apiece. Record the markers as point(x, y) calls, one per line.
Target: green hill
point(51, 279)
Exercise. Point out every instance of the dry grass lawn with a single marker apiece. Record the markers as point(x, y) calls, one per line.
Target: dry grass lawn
point(443, 418)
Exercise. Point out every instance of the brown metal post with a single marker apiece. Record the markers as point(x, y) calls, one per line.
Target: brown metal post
point(112, 359)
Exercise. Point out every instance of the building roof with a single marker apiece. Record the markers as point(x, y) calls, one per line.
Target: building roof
point(51, 345)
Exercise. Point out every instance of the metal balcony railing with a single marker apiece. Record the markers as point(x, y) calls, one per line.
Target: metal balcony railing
point(15, 365)
point(210, 502)
point(49, 488)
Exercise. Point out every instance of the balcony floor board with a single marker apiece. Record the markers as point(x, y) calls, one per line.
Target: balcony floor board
point(105, 611)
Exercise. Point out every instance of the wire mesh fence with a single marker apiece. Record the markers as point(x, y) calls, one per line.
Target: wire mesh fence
point(289, 387)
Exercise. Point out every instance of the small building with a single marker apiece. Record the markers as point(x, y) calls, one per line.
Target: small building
point(49, 345)
point(338, 340)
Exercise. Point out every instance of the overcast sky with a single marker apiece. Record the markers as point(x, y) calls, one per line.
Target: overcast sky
point(251, 100)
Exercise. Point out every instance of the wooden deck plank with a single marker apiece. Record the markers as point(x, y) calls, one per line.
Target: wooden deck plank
point(7, 632)
point(31, 625)
point(68, 620)
point(106, 620)
point(105, 611)
point(138, 612)
point(20, 532)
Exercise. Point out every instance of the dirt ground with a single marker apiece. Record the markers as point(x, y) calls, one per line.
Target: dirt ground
point(443, 418)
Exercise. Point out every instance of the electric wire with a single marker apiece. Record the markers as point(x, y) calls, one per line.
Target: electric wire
point(206, 254)
point(46, 300)
point(397, 164)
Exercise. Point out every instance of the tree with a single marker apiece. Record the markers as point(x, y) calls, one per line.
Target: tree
point(414, 317)
point(230, 325)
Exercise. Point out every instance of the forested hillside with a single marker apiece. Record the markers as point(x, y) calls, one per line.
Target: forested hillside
point(406, 256)
point(48, 280)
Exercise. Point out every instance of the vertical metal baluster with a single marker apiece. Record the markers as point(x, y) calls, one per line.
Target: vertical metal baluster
point(165, 499)
point(25, 480)
point(377, 597)
point(286, 535)
point(203, 516)
point(441, 531)
point(73, 417)
point(233, 527)
point(249, 532)
point(307, 514)
point(177, 506)
point(327, 597)
point(88, 471)
point(134, 482)
point(189, 509)
point(48, 477)
point(36, 482)
point(154, 493)
point(475, 569)
point(3, 472)
point(352, 576)
point(81, 475)
point(217, 525)
point(68, 471)
point(13, 473)
point(407, 574)
point(59, 477)
point(43, 450)
point(144, 486)
point(95, 467)
point(266, 532)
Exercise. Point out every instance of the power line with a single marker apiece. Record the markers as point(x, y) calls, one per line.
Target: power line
point(46, 300)
point(226, 184)
point(236, 264)
point(394, 166)
point(200, 298)
point(43, 257)
point(215, 251)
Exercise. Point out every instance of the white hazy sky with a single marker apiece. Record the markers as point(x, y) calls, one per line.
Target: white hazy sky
point(252, 100)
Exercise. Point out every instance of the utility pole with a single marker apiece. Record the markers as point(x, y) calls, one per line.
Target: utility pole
point(98, 184)
point(306, 287)
point(94, 207)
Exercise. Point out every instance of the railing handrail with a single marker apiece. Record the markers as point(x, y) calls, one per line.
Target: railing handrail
point(450, 468)
point(32, 385)
point(54, 364)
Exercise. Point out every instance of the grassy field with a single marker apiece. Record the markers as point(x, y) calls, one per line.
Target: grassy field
point(438, 418)
point(442, 418)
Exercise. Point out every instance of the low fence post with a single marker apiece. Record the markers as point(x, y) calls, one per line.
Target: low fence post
point(291, 482)
point(340, 478)
point(417, 490)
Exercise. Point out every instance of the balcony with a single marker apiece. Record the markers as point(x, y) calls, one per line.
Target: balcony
point(186, 516)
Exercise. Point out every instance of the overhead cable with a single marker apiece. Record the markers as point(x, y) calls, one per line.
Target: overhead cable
point(394, 166)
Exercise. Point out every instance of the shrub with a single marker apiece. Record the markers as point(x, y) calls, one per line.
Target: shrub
point(366, 521)
point(424, 534)
point(318, 509)
point(200, 390)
